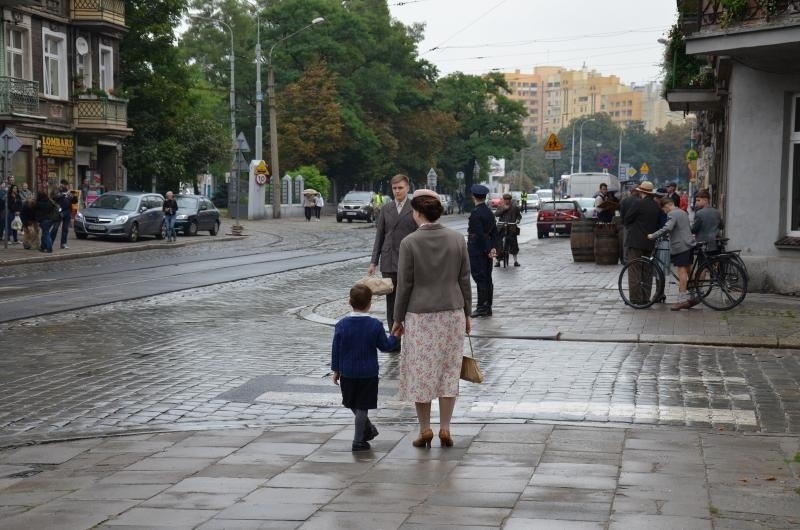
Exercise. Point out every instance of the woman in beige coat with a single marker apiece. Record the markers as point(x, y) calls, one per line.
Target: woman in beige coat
point(432, 311)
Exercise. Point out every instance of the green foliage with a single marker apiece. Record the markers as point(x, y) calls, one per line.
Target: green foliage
point(312, 178)
point(681, 70)
point(171, 141)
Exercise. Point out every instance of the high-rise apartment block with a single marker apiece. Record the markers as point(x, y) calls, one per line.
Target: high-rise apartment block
point(554, 96)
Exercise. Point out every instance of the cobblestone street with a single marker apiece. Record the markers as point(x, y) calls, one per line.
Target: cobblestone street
point(561, 346)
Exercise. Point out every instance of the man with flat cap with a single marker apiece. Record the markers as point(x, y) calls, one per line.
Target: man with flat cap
point(482, 248)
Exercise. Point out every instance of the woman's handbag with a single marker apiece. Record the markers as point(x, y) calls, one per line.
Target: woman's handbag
point(470, 371)
point(378, 286)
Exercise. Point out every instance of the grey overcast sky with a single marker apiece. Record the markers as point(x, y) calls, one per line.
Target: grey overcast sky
point(614, 37)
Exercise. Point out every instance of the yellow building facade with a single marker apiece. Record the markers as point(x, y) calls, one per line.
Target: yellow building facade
point(554, 96)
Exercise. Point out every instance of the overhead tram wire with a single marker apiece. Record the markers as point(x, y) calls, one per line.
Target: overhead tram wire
point(478, 19)
point(554, 40)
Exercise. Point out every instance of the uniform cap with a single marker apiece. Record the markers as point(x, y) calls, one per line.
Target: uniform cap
point(479, 190)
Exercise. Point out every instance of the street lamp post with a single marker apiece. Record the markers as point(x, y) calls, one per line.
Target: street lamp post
point(273, 125)
point(580, 145)
point(234, 172)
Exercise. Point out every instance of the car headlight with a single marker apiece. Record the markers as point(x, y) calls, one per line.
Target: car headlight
point(182, 216)
point(121, 220)
point(79, 216)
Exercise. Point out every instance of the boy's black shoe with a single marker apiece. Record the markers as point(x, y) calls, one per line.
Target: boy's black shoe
point(372, 432)
point(360, 446)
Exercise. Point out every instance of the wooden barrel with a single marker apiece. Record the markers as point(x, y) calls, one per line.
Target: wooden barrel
point(606, 244)
point(581, 239)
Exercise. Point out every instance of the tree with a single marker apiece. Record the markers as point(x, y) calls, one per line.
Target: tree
point(170, 143)
point(310, 124)
point(312, 178)
point(487, 122)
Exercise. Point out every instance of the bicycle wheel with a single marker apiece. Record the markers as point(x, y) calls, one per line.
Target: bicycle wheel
point(721, 283)
point(641, 283)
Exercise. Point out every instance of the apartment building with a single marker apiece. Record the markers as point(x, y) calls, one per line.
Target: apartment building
point(59, 91)
point(554, 96)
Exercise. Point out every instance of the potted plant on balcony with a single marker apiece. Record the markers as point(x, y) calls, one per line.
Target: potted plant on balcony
point(683, 71)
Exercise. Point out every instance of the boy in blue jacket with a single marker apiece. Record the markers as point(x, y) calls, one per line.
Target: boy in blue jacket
point(354, 361)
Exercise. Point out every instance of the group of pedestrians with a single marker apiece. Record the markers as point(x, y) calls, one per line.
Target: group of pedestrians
point(312, 206)
point(428, 311)
point(646, 216)
point(36, 218)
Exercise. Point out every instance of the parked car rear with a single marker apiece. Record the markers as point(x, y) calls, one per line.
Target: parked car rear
point(196, 213)
point(557, 217)
point(123, 214)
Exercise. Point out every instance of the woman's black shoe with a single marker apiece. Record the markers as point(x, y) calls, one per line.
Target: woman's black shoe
point(372, 432)
point(360, 446)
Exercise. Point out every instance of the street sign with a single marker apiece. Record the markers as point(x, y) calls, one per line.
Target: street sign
point(552, 155)
point(553, 144)
point(605, 161)
point(261, 168)
point(631, 172)
point(9, 142)
point(644, 169)
point(623, 170)
point(241, 143)
point(432, 179)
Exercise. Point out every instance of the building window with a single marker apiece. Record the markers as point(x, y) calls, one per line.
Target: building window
point(17, 63)
point(54, 58)
point(106, 80)
point(794, 170)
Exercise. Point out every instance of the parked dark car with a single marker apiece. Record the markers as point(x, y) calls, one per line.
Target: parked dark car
point(123, 214)
point(356, 205)
point(557, 217)
point(196, 213)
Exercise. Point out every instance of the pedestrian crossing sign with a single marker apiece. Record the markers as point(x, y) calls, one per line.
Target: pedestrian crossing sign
point(553, 144)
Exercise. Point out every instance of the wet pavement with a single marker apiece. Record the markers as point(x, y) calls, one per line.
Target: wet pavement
point(211, 408)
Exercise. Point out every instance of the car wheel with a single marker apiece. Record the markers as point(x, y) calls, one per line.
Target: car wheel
point(162, 233)
point(338, 219)
point(192, 230)
point(133, 233)
point(81, 235)
point(540, 235)
point(215, 229)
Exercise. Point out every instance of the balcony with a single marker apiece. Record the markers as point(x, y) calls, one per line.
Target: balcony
point(98, 11)
point(762, 34)
point(100, 114)
point(18, 96)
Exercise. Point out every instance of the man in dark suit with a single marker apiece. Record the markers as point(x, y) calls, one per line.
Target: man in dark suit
point(394, 223)
point(640, 218)
point(482, 248)
point(672, 194)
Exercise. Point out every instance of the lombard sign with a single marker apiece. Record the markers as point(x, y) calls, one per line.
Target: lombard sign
point(58, 146)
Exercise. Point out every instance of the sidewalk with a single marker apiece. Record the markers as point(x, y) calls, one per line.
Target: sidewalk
point(514, 476)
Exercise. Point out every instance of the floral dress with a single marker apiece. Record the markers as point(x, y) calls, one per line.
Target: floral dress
point(432, 348)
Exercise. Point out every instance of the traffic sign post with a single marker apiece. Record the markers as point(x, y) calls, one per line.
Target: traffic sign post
point(433, 179)
point(552, 151)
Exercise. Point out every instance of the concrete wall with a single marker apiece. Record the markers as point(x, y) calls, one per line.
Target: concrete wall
point(756, 160)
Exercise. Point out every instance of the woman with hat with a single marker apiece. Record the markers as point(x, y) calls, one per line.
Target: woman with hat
point(433, 300)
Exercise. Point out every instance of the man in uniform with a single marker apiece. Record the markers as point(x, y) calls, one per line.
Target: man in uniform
point(523, 199)
point(672, 194)
point(482, 248)
point(393, 224)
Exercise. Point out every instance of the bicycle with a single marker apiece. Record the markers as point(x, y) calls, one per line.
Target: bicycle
point(505, 244)
point(717, 280)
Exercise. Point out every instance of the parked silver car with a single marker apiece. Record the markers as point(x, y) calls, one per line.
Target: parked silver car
point(123, 214)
